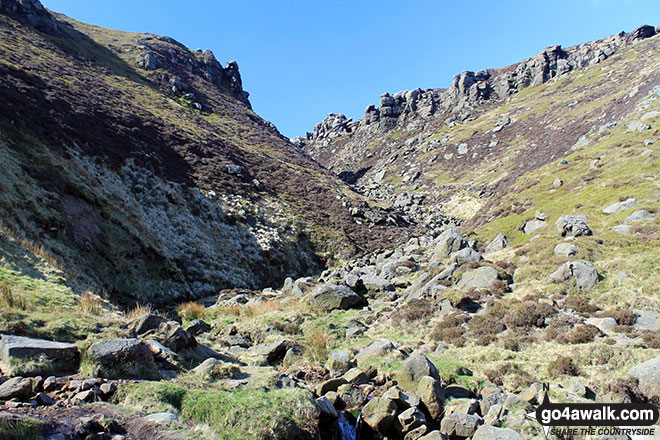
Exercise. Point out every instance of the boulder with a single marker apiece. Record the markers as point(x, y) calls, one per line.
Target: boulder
point(637, 126)
point(448, 242)
point(648, 320)
point(622, 229)
point(328, 410)
point(163, 418)
point(565, 250)
point(355, 376)
point(374, 283)
point(487, 432)
point(460, 425)
point(21, 347)
point(122, 354)
point(16, 388)
point(340, 362)
point(379, 414)
point(466, 255)
point(533, 225)
point(269, 353)
point(352, 396)
point(648, 375)
point(327, 297)
point(197, 327)
point(412, 371)
point(375, 350)
point(480, 278)
point(617, 207)
point(410, 419)
point(603, 324)
point(430, 392)
point(641, 215)
point(499, 242)
point(582, 272)
point(572, 226)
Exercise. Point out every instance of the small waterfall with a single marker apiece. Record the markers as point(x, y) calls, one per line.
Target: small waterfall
point(346, 429)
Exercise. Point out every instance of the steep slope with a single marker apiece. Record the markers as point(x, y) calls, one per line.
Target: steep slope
point(138, 167)
point(463, 145)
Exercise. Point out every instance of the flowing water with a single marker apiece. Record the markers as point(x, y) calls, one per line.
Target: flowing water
point(346, 429)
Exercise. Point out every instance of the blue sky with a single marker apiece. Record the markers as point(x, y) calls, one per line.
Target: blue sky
point(303, 59)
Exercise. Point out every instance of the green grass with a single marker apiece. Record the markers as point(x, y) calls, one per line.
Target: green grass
point(25, 428)
point(236, 414)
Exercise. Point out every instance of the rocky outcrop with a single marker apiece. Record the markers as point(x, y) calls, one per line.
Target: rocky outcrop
point(33, 12)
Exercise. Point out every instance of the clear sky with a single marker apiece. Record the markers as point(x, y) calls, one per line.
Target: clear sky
point(303, 59)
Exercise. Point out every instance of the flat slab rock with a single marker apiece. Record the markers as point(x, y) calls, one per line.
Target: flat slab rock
point(22, 347)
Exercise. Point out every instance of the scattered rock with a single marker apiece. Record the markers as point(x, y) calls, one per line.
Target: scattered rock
point(636, 126)
point(648, 375)
point(163, 418)
point(481, 278)
point(16, 388)
point(460, 425)
point(582, 272)
point(20, 347)
point(622, 229)
point(340, 362)
point(123, 354)
point(430, 392)
point(618, 207)
point(604, 324)
point(329, 297)
point(448, 242)
point(412, 371)
point(572, 226)
point(487, 432)
point(197, 327)
point(379, 414)
point(647, 320)
point(499, 242)
point(466, 255)
point(533, 225)
point(375, 350)
point(641, 215)
point(566, 250)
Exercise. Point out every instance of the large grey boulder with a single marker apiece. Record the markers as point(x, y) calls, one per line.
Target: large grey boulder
point(648, 375)
point(16, 388)
point(480, 278)
point(460, 425)
point(21, 347)
point(377, 349)
point(430, 392)
point(641, 215)
point(413, 369)
point(487, 432)
point(618, 207)
point(572, 226)
point(268, 353)
point(379, 414)
point(448, 242)
point(122, 354)
point(565, 250)
point(327, 297)
point(582, 272)
point(466, 255)
point(374, 283)
point(533, 225)
point(499, 242)
point(648, 320)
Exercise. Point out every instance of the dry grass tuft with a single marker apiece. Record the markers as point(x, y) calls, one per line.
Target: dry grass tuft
point(139, 310)
point(11, 299)
point(316, 346)
point(90, 304)
point(190, 311)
